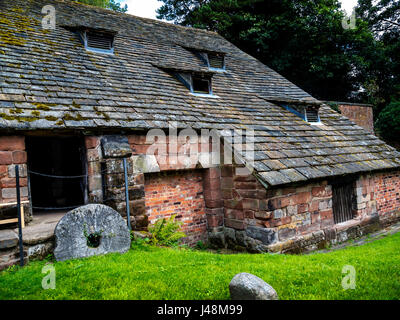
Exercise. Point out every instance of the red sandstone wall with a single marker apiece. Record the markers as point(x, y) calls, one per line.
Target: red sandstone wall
point(93, 154)
point(300, 212)
point(361, 115)
point(214, 198)
point(179, 193)
point(290, 211)
point(12, 152)
point(166, 152)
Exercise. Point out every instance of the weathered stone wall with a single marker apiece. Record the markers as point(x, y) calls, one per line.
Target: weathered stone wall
point(94, 157)
point(12, 152)
point(242, 214)
point(300, 218)
point(270, 216)
point(106, 183)
point(32, 249)
point(181, 194)
point(214, 206)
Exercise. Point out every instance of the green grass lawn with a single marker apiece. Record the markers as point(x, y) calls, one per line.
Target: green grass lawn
point(159, 273)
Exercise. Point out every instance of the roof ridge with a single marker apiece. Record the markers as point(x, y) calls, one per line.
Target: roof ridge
point(129, 15)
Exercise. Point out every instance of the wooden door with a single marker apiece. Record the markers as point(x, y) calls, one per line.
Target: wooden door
point(343, 197)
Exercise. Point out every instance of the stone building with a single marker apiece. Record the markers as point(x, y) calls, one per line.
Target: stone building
point(76, 99)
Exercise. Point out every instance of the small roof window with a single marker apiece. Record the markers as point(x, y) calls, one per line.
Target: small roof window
point(201, 84)
point(198, 83)
point(312, 115)
point(99, 42)
point(307, 113)
point(216, 61)
point(213, 60)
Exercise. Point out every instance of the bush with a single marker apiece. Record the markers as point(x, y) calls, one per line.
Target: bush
point(139, 242)
point(166, 232)
point(200, 245)
point(388, 122)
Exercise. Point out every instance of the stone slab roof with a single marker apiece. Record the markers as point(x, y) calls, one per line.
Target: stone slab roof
point(49, 81)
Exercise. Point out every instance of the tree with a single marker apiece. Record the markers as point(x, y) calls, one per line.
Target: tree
point(108, 4)
point(117, 6)
point(304, 40)
point(383, 18)
point(388, 122)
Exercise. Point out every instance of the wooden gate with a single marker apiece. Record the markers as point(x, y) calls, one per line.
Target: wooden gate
point(343, 198)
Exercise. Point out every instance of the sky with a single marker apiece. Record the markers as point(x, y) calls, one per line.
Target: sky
point(147, 8)
point(142, 8)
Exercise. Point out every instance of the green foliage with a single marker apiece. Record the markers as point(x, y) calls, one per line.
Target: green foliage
point(388, 122)
point(166, 232)
point(107, 4)
point(117, 6)
point(139, 243)
point(200, 245)
point(383, 75)
point(93, 238)
point(169, 274)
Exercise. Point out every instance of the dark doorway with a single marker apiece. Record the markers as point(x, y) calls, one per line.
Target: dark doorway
point(61, 157)
point(343, 200)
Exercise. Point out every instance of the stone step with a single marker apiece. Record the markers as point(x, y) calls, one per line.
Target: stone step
point(38, 240)
point(36, 234)
point(10, 257)
point(11, 262)
point(8, 239)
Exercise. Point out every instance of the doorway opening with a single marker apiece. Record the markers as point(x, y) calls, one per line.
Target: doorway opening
point(57, 169)
point(343, 200)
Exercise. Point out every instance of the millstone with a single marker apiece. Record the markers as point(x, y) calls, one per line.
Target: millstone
point(90, 230)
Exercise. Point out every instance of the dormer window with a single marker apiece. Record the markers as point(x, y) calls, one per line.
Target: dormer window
point(307, 113)
point(312, 115)
point(201, 84)
point(198, 83)
point(100, 42)
point(213, 60)
point(216, 61)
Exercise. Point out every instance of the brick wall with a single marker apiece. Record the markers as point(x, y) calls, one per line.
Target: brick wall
point(387, 188)
point(379, 193)
point(179, 193)
point(360, 114)
point(12, 152)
